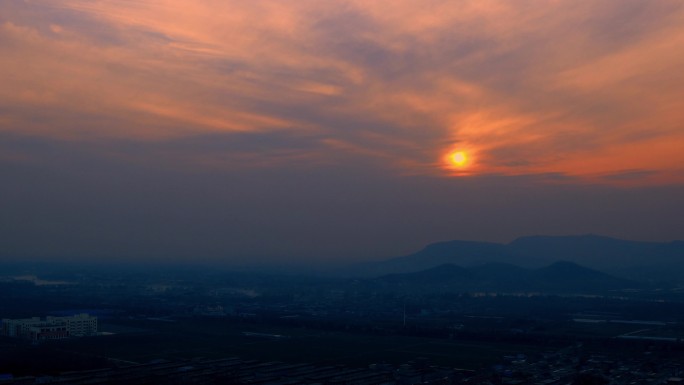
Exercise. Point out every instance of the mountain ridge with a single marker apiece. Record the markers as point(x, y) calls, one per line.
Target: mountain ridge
point(558, 277)
point(623, 258)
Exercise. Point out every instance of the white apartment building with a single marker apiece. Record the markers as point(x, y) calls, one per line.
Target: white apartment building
point(50, 328)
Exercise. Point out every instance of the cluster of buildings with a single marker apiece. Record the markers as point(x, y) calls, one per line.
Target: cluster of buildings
point(50, 328)
point(572, 366)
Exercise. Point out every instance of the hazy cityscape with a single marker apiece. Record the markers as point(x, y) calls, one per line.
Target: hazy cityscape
point(488, 323)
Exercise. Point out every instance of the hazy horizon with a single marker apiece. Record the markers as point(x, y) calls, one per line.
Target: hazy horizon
point(299, 264)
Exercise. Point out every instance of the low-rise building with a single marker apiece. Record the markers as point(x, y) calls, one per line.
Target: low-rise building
point(50, 328)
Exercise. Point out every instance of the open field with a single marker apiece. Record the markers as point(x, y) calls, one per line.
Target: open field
point(216, 338)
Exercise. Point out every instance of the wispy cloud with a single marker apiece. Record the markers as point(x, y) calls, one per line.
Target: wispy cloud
point(579, 89)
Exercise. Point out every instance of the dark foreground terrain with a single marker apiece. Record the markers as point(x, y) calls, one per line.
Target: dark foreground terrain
point(195, 326)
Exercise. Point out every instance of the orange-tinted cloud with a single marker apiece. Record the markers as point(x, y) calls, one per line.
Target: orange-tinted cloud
point(589, 90)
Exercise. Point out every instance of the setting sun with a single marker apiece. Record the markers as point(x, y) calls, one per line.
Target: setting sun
point(458, 158)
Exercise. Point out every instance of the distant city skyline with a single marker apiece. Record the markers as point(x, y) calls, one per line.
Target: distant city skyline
point(333, 131)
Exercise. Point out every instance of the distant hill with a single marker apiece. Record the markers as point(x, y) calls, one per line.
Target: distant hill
point(599, 252)
point(559, 277)
point(462, 253)
point(569, 276)
point(630, 259)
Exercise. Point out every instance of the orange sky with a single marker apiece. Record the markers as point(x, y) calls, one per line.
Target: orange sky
point(590, 90)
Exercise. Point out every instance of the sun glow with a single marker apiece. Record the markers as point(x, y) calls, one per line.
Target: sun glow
point(458, 158)
point(458, 162)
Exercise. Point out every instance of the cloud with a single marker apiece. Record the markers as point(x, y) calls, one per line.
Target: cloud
point(579, 89)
